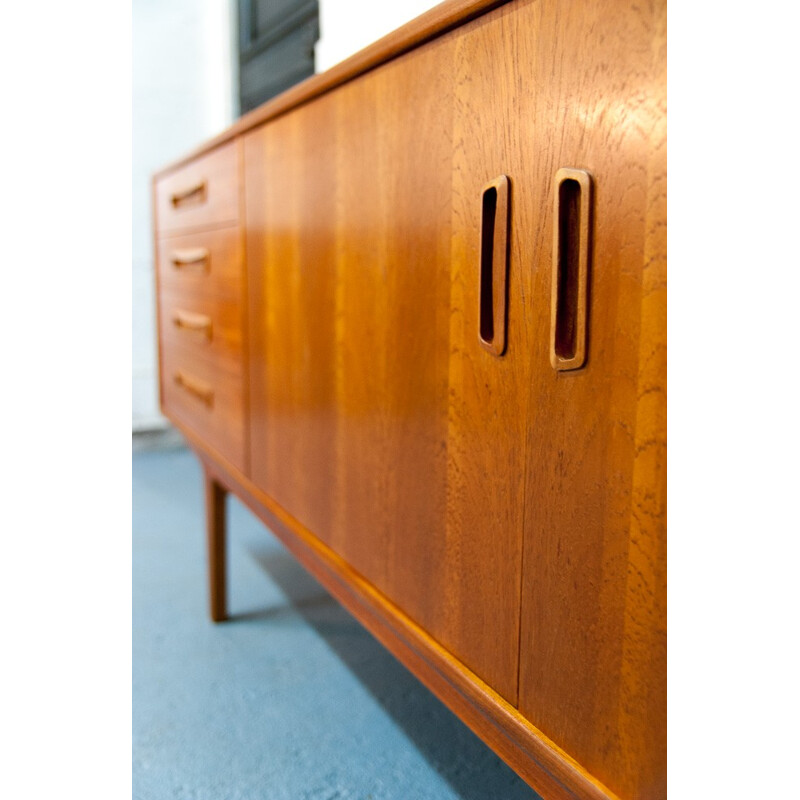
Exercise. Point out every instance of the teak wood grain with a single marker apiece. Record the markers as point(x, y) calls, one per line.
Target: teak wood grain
point(496, 516)
point(212, 328)
point(200, 193)
point(593, 647)
point(349, 251)
point(216, 543)
point(205, 398)
point(488, 396)
point(550, 770)
point(207, 263)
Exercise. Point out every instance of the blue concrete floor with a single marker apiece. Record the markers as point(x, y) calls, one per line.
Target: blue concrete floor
point(291, 699)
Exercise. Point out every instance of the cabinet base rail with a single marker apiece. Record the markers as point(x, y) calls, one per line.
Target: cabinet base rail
point(540, 762)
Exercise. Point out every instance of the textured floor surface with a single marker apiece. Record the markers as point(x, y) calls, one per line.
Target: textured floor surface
point(291, 699)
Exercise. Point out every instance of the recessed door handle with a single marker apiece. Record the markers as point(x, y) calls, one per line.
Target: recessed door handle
point(493, 278)
point(569, 308)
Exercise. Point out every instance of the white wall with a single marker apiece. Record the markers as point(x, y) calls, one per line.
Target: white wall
point(347, 26)
point(183, 93)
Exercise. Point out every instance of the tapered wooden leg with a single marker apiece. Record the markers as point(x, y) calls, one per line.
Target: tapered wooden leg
point(215, 542)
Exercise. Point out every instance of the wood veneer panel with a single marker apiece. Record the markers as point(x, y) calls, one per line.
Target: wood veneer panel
point(206, 399)
point(488, 399)
point(593, 646)
point(209, 263)
point(418, 461)
point(527, 750)
point(393, 172)
point(202, 192)
point(350, 325)
point(210, 327)
point(290, 239)
point(348, 245)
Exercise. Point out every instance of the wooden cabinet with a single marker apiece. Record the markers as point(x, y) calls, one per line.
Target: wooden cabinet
point(349, 240)
point(589, 490)
point(438, 364)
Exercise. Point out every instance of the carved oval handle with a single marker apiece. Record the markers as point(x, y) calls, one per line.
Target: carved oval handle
point(195, 387)
point(190, 321)
point(187, 194)
point(188, 256)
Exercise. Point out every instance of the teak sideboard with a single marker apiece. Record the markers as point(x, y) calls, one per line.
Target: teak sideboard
point(412, 312)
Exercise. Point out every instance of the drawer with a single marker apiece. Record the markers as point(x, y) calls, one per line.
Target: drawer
point(206, 399)
point(205, 262)
point(208, 327)
point(201, 193)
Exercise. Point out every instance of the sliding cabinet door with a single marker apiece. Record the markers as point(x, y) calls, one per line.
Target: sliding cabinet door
point(489, 380)
point(364, 427)
point(591, 86)
point(290, 205)
point(348, 219)
point(432, 432)
point(393, 130)
point(562, 436)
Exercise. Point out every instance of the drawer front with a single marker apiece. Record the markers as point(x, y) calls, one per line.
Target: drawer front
point(207, 263)
point(210, 328)
point(204, 192)
point(206, 399)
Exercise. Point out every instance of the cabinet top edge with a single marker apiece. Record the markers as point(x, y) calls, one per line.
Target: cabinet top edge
point(438, 20)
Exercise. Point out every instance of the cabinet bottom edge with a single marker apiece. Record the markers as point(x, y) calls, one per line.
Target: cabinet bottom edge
point(535, 758)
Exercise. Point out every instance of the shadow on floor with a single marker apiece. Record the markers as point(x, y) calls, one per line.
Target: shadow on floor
point(470, 768)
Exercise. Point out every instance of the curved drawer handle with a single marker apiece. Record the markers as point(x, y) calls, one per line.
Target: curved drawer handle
point(198, 189)
point(195, 387)
point(189, 256)
point(188, 320)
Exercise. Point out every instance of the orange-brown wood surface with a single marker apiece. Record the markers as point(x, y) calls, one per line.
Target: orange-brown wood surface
point(488, 394)
point(205, 398)
point(551, 771)
point(202, 299)
point(348, 223)
point(499, 523)
point(210, 327)
point(593, 646)
point(289, 202)
point(205, 262)
point(200, 193)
